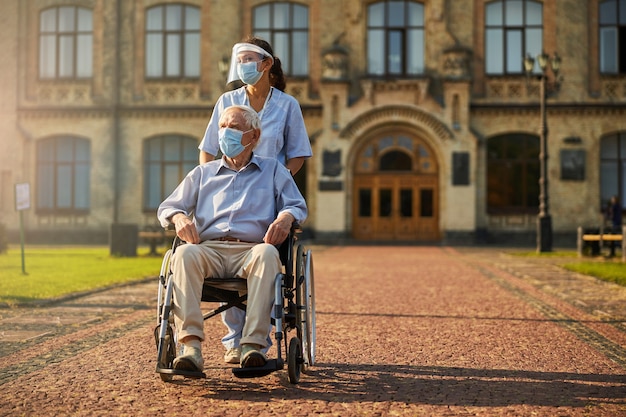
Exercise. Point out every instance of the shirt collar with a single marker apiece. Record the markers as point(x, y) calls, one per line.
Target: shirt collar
point(254, 160)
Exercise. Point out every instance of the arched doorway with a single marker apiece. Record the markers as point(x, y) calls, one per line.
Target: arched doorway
point(395, 194)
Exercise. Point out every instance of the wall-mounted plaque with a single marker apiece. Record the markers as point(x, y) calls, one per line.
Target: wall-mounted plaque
point(331, 163)
point(573, 164)
point(460, 168)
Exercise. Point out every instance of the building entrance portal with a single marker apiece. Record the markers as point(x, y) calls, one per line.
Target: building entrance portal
point(395, 195)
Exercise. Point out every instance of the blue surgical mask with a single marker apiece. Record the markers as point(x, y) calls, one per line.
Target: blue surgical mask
point(230, 141)
point(248, 72)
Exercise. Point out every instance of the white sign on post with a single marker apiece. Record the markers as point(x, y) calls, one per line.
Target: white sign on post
point(22, 202)
point(22, 196)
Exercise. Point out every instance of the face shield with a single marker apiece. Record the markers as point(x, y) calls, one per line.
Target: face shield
point(241, 48)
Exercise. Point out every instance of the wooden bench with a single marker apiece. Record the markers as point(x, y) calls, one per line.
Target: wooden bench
point(156, 237)
point(584, 240)
point(603, 237)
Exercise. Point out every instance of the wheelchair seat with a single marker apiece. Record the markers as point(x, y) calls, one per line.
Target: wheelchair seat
point(225, 289)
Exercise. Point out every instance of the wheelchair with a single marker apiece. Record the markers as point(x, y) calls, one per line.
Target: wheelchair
point(294, 309)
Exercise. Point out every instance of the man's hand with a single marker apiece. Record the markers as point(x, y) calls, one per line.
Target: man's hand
point(279, 229)
point(185, 228)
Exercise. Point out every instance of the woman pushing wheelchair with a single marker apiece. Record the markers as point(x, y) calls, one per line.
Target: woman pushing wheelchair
point(284, 134)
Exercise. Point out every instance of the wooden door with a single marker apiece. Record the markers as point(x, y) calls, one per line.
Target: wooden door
point(401, 207)
point(398, 200)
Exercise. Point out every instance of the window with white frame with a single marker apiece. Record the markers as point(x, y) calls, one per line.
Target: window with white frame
point(63, 175)
point(513, 29)
point(65, 43)
point(286, 27)
point(612, 21)
point(395, 38)
point(172, 41)
point(167, 159)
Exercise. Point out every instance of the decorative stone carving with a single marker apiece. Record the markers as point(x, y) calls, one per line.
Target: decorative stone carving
point(417, 88)
point(165, 93)
point(335, 64)
point(512, 89)
point(456, 63)
point(64, 94)
point(613, 88)
point(296, 92)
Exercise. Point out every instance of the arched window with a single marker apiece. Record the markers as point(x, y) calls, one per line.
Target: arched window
point(513, 174)
point(612, 21)
point(396, 152)
point(395, 38)
point(613, 168)
point(173, 41)
point(286, 27)
point(513, 29)
point(65, 43)
point(396, 161)
point(63, 175)
point(167, 159)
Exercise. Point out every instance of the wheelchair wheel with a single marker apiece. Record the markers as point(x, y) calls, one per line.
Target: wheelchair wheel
point(168, 352)
point(294, 360)
point(305, 299)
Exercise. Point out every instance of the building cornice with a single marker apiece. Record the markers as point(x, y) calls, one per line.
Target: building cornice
point(569, 108)
point(48, 112)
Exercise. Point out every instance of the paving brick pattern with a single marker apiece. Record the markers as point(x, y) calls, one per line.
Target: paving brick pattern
point(408, 330)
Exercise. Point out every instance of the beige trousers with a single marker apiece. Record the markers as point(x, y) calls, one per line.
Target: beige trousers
point(257, 263)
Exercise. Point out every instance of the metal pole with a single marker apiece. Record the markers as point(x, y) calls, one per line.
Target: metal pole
point(117, 130)
point(544, 221)
point(22, 241)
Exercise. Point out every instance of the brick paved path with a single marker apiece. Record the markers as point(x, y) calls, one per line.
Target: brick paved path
point(401, 331)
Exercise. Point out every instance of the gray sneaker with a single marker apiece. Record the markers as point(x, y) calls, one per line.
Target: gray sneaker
point(190, 360)
point(251, 356)
point(232, 355)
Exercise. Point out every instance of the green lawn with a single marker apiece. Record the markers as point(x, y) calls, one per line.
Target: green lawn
point(56, 271)
point(607, 269)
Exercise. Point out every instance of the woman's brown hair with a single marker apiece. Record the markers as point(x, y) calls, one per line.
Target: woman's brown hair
point(277, 78)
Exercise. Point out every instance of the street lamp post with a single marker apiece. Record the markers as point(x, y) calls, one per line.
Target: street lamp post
point(544, 221)
point(223, 66)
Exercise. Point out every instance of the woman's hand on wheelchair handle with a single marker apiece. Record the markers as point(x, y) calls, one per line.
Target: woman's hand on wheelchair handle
point(185, 228)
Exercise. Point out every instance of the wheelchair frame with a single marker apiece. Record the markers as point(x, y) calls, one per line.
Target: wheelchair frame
point(294, 309)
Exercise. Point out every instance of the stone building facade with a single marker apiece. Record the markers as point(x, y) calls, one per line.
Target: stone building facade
point(424, 125)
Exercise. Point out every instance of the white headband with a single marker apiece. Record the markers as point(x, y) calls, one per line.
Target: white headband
point(242, 47)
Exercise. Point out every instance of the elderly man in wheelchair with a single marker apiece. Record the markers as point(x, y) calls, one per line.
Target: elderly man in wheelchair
point(233, 213)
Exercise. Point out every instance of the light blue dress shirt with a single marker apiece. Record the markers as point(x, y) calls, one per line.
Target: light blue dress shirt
point(240, 204)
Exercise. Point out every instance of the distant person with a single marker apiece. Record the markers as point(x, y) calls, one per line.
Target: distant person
point(614, 218)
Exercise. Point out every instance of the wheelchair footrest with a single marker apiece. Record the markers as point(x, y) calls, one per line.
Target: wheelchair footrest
point(259, 371)
point(186, 374)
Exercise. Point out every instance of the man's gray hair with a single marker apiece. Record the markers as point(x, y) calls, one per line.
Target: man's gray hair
point(249, 114)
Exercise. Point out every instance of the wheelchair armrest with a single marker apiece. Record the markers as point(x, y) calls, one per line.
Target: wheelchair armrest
point(285, 248)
